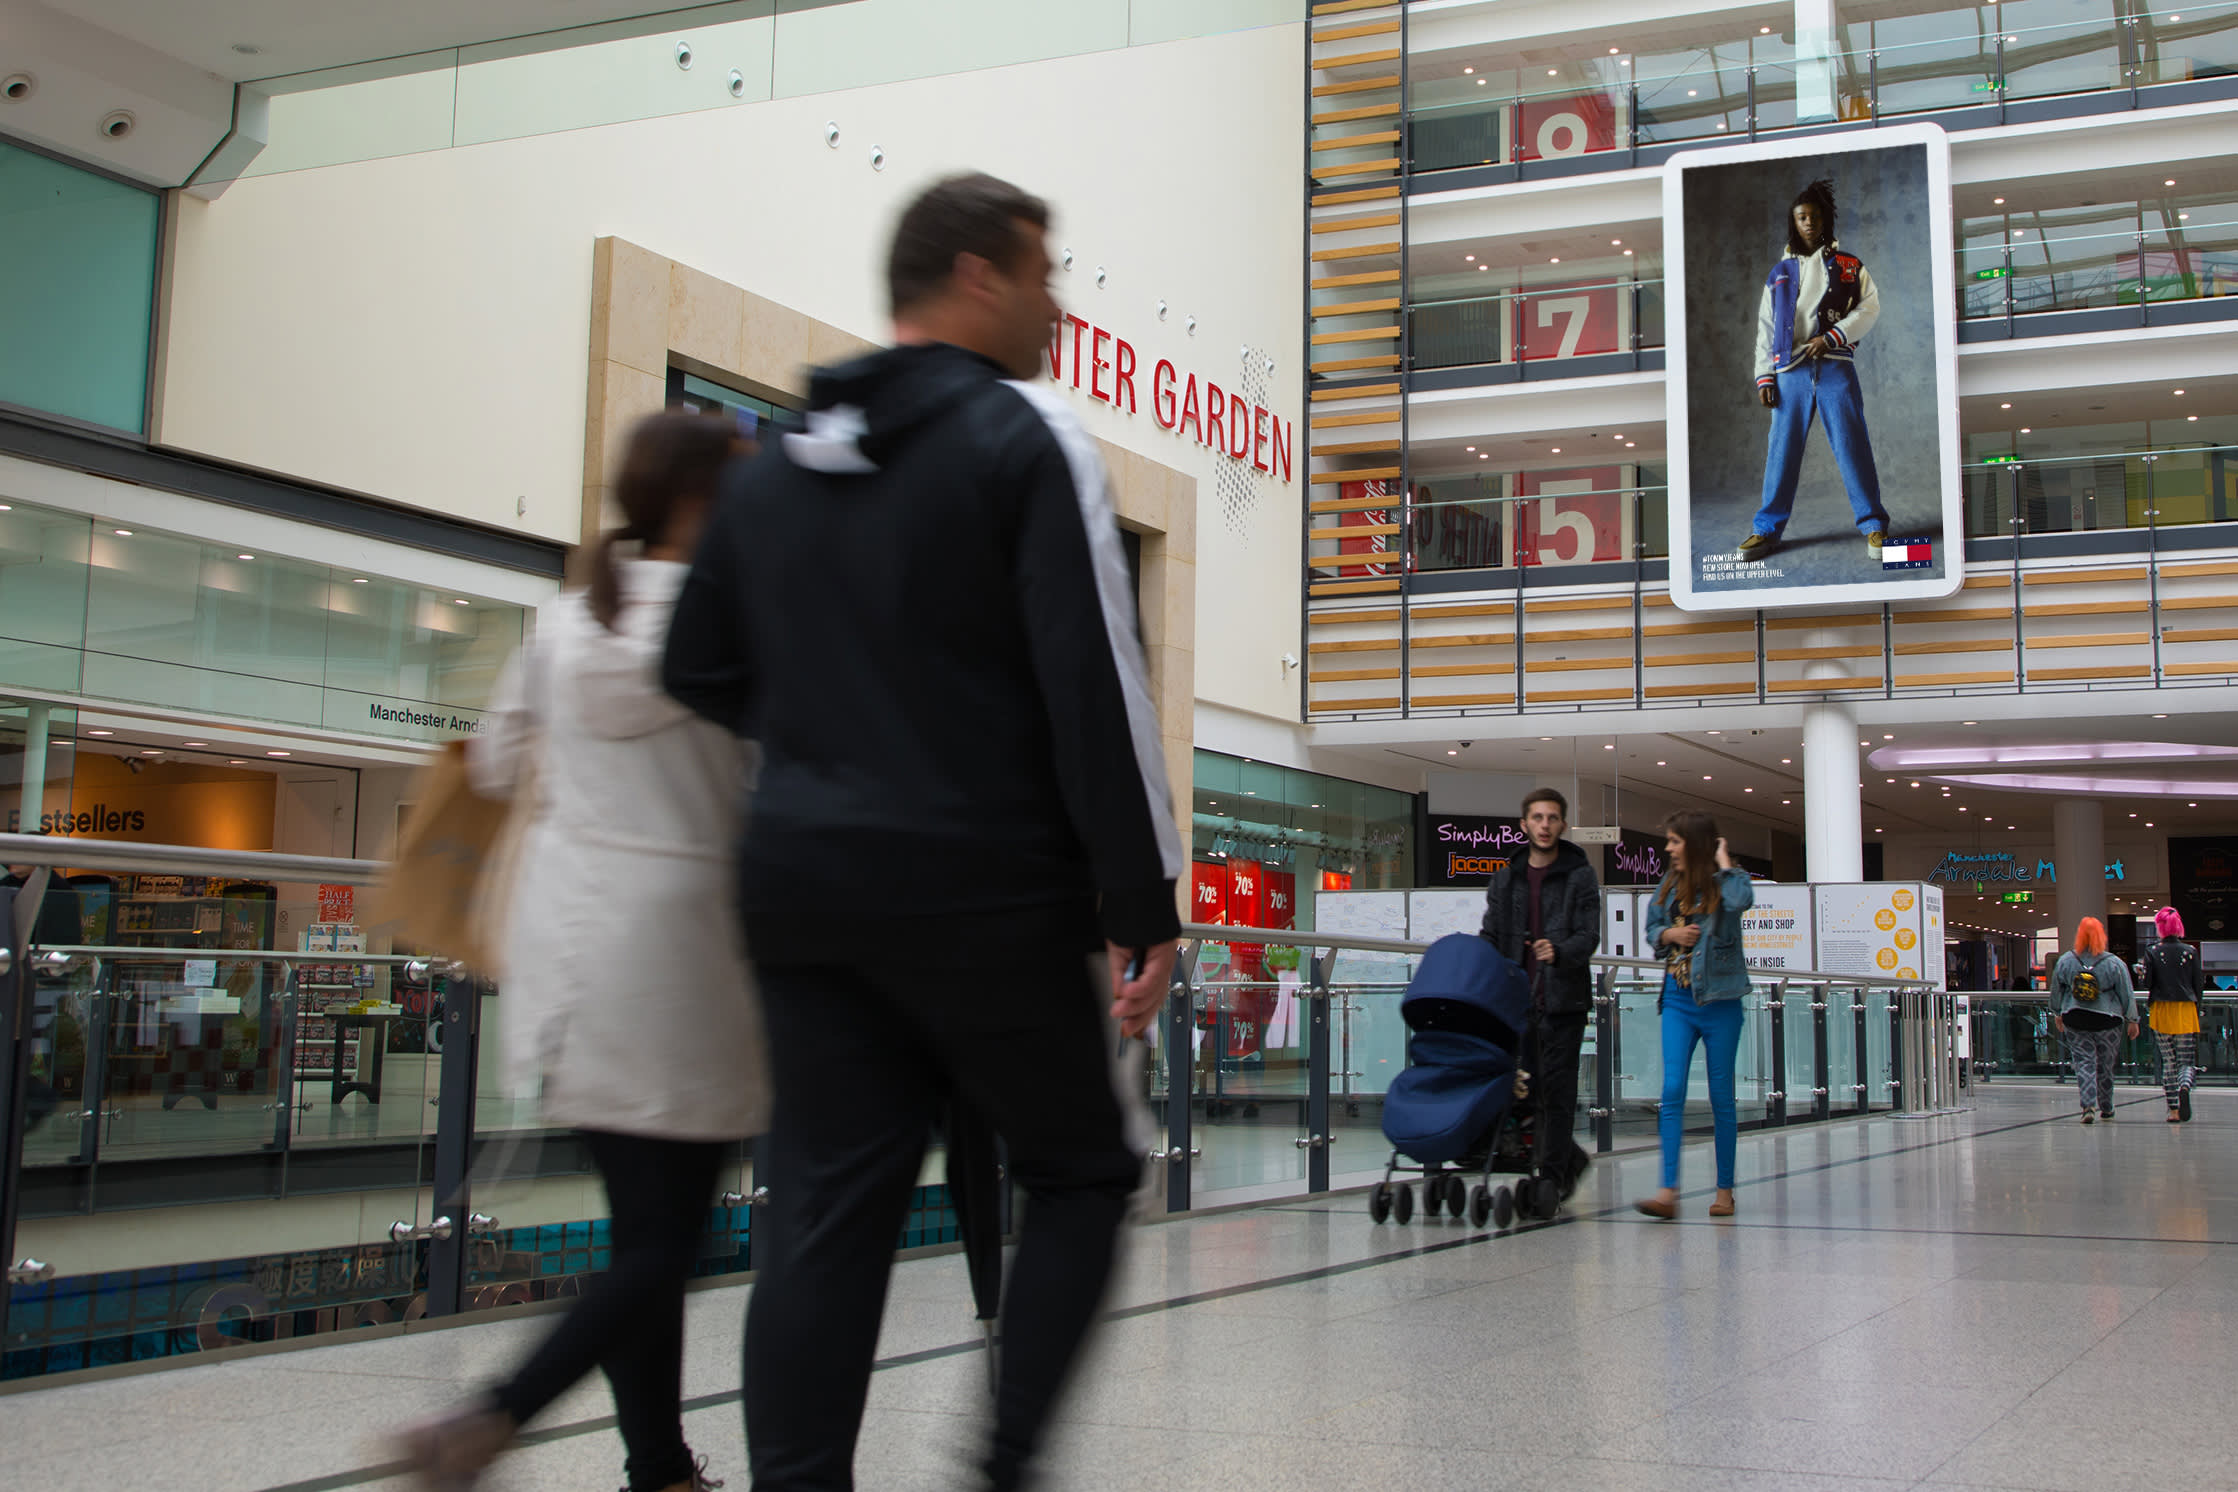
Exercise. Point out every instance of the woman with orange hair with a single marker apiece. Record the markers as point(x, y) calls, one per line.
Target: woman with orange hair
point(2092, 1002)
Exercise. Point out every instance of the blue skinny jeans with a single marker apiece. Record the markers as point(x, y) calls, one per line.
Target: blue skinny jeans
point(1717, 1025)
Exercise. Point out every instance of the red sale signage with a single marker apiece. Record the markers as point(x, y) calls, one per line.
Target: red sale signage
point(1208, 892)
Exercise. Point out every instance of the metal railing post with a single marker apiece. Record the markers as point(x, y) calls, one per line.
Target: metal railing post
point(454, 1142)
point(1775, 1110)
point(19, 910)
point(1822, 1096)
point(1896, 1052)
point(1604, 1062)
point(1181, 1076)
point(1318, 1131)
point(283, 1083)
point(96, 1075)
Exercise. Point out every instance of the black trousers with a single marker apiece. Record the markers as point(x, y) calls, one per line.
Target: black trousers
point(1561, 1040)
point(630, 1320)
point(863, 1049)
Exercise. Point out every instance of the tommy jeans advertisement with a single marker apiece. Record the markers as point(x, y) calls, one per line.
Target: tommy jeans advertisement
point(1812, 380)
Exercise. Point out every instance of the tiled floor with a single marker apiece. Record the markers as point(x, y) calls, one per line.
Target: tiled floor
point(2002, 1299)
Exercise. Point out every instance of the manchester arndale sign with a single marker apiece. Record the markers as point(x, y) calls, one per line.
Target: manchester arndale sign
point(2006, 869)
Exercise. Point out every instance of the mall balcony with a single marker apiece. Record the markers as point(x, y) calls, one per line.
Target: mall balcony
point(1488, 536)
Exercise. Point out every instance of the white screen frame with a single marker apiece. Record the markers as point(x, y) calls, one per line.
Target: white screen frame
point(1684, 592)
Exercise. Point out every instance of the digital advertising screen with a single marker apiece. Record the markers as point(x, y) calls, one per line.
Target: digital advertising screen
point(1812, 385)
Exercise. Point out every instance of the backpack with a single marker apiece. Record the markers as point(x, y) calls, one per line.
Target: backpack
point(2085, 988)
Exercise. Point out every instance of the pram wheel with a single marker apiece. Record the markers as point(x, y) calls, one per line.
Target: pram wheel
point(1546, 1197)
point(1433, 1193)
point(1402, 1204)
point(1480, 1205)
point(1456, 1194)
point(1503, 1208)
point(1379, 1201)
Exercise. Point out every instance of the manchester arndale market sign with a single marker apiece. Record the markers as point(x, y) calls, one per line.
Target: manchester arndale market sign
point(2006, 869)
point(1103, 365)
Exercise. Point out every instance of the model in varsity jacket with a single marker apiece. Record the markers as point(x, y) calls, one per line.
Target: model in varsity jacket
point(1818, 304)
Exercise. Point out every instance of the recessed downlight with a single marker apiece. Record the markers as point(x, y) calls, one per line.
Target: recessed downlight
point(279, 753)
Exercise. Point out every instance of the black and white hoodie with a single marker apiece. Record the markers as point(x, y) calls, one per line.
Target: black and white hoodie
point(921, 610)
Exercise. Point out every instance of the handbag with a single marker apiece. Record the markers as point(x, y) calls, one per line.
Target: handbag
point(446, 889)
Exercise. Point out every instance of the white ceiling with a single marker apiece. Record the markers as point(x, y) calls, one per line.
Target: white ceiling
point(293, 36)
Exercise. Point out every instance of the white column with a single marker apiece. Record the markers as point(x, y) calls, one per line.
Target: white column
point(1815, 45)
point(30, 803)
point(2079, 852)
point(1833, 795)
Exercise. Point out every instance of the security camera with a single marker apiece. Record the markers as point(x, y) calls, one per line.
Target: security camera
point(134, 765)
point(1465, 745)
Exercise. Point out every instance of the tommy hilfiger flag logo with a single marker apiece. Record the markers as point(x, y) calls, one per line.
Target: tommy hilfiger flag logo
point(1907, 554)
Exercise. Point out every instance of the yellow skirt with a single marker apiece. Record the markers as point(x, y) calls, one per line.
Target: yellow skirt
point(2174, 1017)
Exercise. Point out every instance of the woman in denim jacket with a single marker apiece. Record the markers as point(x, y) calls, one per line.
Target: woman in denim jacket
point(1695, 923)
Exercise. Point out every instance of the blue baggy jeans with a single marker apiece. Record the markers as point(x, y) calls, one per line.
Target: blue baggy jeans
point(1826, 387)
point(1717, 1026)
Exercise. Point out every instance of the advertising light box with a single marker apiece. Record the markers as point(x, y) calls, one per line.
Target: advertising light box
point(1812, 385)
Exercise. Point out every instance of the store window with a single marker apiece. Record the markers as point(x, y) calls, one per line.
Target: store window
point(77, 296)
point(755, 415)
point(1268, 840)
point(99, 610)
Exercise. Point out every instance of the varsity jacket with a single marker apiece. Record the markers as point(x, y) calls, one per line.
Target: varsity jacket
point(920, 608)
point(1827, 294)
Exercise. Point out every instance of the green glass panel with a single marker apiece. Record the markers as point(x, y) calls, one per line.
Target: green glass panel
point(77, 290)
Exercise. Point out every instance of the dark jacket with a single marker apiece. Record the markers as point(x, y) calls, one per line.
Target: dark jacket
point(1569, 918)
point(920, 608)
point(2172, 972)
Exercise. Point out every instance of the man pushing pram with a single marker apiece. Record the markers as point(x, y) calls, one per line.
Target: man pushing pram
point(1543, 912)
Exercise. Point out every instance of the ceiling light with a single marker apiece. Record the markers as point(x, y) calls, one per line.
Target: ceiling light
point(2171, 181)
point(1786, 802)
point(1969, 722)
point(460, 601)
point(1627, 253)
point(1763, 31)
point(1662, 764)
point(1471, 258)
point(1550, 73)
point(2179, 393)
point(1557, 259)
point(1787, 761)
point(1471, 449)
point(1706, 777)
point(2004, 406)
point(1546, 738)
point(2026, 431)
point(1693, 92)
point(2160, 717)
point(1557, 450)
point(1748, 790)
point(122, 533)
point(2000, 201)
point(245, 556)
point(236, 762)
point(279, 753)
point(151, 751)
point(1449, 751)
point(1482, 268)
point(194, 743)
point(2190, 418)
point(1482, 81)
point(1466, 70)
point(1616, 243)
point(360, 580)
point(1610, 747)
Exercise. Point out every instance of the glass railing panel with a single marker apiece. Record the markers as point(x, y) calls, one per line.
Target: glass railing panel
point(1556, 121)
point(2179, 43)
point(2059, 47)
point(2072, 271)
point(1638, 1057)
point(1462, 333)
point(1461, 132)
point(1546, 323)
point(1842, 1070)
point(1930, 63)
point(1754, 1074)
point(1879, 1042)
point(1777, 95)
point(1706, 102)
point(1367, 1049)
point(1800, 1037)
point(1247, 1074)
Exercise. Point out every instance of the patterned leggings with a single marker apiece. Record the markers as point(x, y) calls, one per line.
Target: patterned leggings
point(2179, 1055)
point(2095, 1053)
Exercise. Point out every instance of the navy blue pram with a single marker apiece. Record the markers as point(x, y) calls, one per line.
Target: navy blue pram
point(1455, 1109)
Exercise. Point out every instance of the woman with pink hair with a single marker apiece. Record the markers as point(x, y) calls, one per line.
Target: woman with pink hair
point(2092, 1002)
point(2172, 984)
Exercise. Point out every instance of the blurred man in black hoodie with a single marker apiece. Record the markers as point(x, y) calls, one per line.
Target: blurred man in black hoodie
point(921, 611)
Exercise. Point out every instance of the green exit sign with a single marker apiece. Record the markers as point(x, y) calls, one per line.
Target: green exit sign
point(1987, 85)
point(1997, 273)
point(1999, 460)
point(2018, 898)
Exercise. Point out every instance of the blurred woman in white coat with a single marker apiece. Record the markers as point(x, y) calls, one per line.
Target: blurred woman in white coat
point(626, 989)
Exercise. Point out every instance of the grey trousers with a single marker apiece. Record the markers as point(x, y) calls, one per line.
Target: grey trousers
point(2094, 1054)
point(2179, 1055)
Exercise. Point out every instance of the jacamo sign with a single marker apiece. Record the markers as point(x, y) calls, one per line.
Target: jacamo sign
point(1104, 366)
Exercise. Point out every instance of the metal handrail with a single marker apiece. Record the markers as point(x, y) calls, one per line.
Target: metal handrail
point(233, 955)
point(179, 859)
point(1283, 938)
